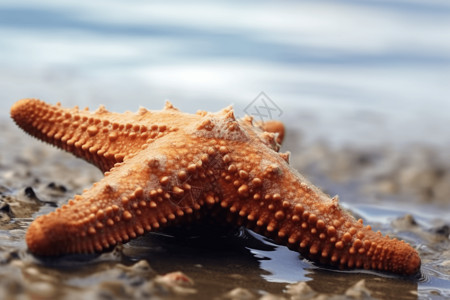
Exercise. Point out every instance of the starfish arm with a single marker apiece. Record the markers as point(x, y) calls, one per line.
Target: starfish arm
point(165, 183)
point(101, 137)
point(274, 127)
point(264, 193)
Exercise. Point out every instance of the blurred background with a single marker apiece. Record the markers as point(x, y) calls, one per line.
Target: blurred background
point(363, 72)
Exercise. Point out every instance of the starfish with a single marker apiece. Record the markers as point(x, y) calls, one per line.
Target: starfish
point(168, 167)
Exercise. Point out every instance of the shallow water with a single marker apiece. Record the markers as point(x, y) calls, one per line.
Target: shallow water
point(220, 262)
point(361, 86)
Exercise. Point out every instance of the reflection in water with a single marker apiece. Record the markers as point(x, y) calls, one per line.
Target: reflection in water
point(218, 259)
point(283, 264)
point(248, 260)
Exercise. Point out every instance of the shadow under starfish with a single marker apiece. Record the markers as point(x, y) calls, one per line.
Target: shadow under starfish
point(168, 167)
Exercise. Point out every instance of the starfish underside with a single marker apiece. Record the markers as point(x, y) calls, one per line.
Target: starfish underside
point(168, 167)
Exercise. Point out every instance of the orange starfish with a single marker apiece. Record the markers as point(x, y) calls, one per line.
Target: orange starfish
point(166, 167)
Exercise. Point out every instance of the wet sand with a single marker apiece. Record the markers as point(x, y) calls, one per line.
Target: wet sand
point(402, 192)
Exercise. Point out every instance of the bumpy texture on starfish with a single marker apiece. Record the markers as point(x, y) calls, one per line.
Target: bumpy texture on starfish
point(166, 167)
